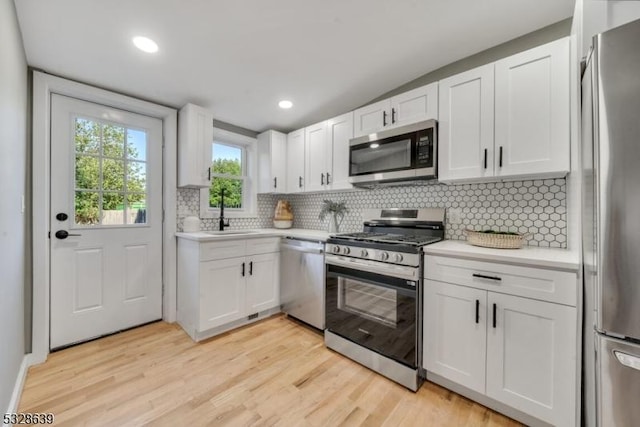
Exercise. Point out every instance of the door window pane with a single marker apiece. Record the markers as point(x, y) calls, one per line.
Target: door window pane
point(111, 162)
point(87, 208)
point(136, 144)
point(87, 172)
point(136, 176)
point(136, 210)
point(112, 175)
point(87, 136)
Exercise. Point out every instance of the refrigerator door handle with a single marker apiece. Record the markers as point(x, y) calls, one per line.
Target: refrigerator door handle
point(627, 359)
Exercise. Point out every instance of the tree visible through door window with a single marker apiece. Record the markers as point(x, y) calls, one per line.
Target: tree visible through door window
point(110, 174)
point(228, 173)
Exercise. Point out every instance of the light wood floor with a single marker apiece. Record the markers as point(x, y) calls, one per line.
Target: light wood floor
point(275, 372)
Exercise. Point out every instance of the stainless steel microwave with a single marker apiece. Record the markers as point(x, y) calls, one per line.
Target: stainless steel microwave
point(405, 153)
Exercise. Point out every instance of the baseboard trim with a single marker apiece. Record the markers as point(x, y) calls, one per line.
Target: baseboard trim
point(17, 388)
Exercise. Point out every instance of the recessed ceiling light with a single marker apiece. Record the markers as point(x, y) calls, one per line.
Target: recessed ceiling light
point(285, 104)
point(145, 44)
point(374, 145)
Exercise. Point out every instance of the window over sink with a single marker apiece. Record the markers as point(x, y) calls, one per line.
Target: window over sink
point(234, 170)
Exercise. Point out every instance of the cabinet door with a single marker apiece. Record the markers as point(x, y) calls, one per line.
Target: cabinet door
point(263, 282)
point(465, 129)
point(339, 132)
point(315, 140)
point(279, 162)
point(195, 136)
point(272, 162)
point(455, 333)
point(372, 118)
point(295, 161)
point(222, 292)
point(415, 105)
point(532, 111)
point(531, 357)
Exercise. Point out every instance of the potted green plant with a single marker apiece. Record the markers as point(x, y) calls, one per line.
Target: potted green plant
point(336, 211)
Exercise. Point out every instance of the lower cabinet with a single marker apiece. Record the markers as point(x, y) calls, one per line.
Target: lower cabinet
point(215, 295)
point(516, 351)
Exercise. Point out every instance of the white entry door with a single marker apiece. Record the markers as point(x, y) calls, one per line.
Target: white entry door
point(106, 220)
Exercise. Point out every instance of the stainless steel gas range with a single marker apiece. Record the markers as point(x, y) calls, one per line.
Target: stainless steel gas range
point(374, 291)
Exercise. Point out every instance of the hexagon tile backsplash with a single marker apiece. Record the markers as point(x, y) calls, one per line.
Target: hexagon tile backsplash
point(537, 207)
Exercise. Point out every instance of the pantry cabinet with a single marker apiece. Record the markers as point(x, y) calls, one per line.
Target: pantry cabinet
point(195, 139)
point(224, 284)
point(508, 119)
point(296, 161)
point(506, 332)
point(406, 108)
point(272, 162)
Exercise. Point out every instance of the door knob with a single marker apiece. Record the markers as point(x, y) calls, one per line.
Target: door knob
point(63, 234)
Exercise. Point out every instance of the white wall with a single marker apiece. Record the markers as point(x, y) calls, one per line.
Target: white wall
point(13, 173)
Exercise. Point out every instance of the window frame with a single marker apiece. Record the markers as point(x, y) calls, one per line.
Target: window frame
point(250, 177)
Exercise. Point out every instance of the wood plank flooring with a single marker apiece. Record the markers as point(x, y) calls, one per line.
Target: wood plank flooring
point(271, 373)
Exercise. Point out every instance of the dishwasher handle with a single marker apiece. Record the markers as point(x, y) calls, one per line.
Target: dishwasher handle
point(302, 249)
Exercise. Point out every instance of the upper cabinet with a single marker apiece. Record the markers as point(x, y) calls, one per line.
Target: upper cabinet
point(195, 137)
point(466, 125)
point(317, 151)
point(524, 99)
point(272, 162)
point(408, 107)
point(339, 132)
point(532, 111)
point(295, 161)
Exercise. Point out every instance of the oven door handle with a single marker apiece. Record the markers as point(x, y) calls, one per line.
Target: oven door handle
point(391, 270)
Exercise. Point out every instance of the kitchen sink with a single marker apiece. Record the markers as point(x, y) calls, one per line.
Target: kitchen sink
point(232, 232)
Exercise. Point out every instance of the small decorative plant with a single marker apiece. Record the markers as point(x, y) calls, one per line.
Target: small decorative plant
point(337, 210)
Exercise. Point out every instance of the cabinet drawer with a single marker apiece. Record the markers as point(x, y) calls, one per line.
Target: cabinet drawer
point(263, 246)
point(538, 283)
point(222, 250)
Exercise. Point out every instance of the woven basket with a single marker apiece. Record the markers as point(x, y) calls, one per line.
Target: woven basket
point(493, 240)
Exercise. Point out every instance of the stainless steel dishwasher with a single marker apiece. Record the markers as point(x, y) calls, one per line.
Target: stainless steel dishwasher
point(302, 280)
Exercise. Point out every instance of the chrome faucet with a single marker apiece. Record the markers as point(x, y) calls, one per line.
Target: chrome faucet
point(222, 221)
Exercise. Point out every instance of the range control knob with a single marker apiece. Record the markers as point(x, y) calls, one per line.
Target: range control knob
point(364, 253)
point(336, 249)
point(346, 250)
point(384, 256)
point(398, 257)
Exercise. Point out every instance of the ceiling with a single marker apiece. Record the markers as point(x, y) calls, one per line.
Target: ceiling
point(239, 58)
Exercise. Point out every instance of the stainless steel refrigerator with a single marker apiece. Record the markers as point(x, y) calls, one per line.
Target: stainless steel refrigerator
point(611, 225)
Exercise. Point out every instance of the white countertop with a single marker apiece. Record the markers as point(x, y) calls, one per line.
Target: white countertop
point(299, 233)
point(560, 259)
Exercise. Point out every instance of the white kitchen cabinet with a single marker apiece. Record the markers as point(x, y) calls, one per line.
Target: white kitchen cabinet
point(455, 336)
point(272, 162)
point(225, 284)
point(316, 157)
point(508, 119)
point(339, 132)
point(295, 161)
point(532, 111)
point(263, 282)
point(498, 330)
point(195, 139)
point(406, 108)
point(465, 127)
point(531, 357)
point(222, 292)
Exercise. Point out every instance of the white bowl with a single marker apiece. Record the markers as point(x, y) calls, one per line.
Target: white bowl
point(282, 223)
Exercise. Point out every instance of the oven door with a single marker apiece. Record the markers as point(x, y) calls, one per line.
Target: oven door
point(373, 310)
